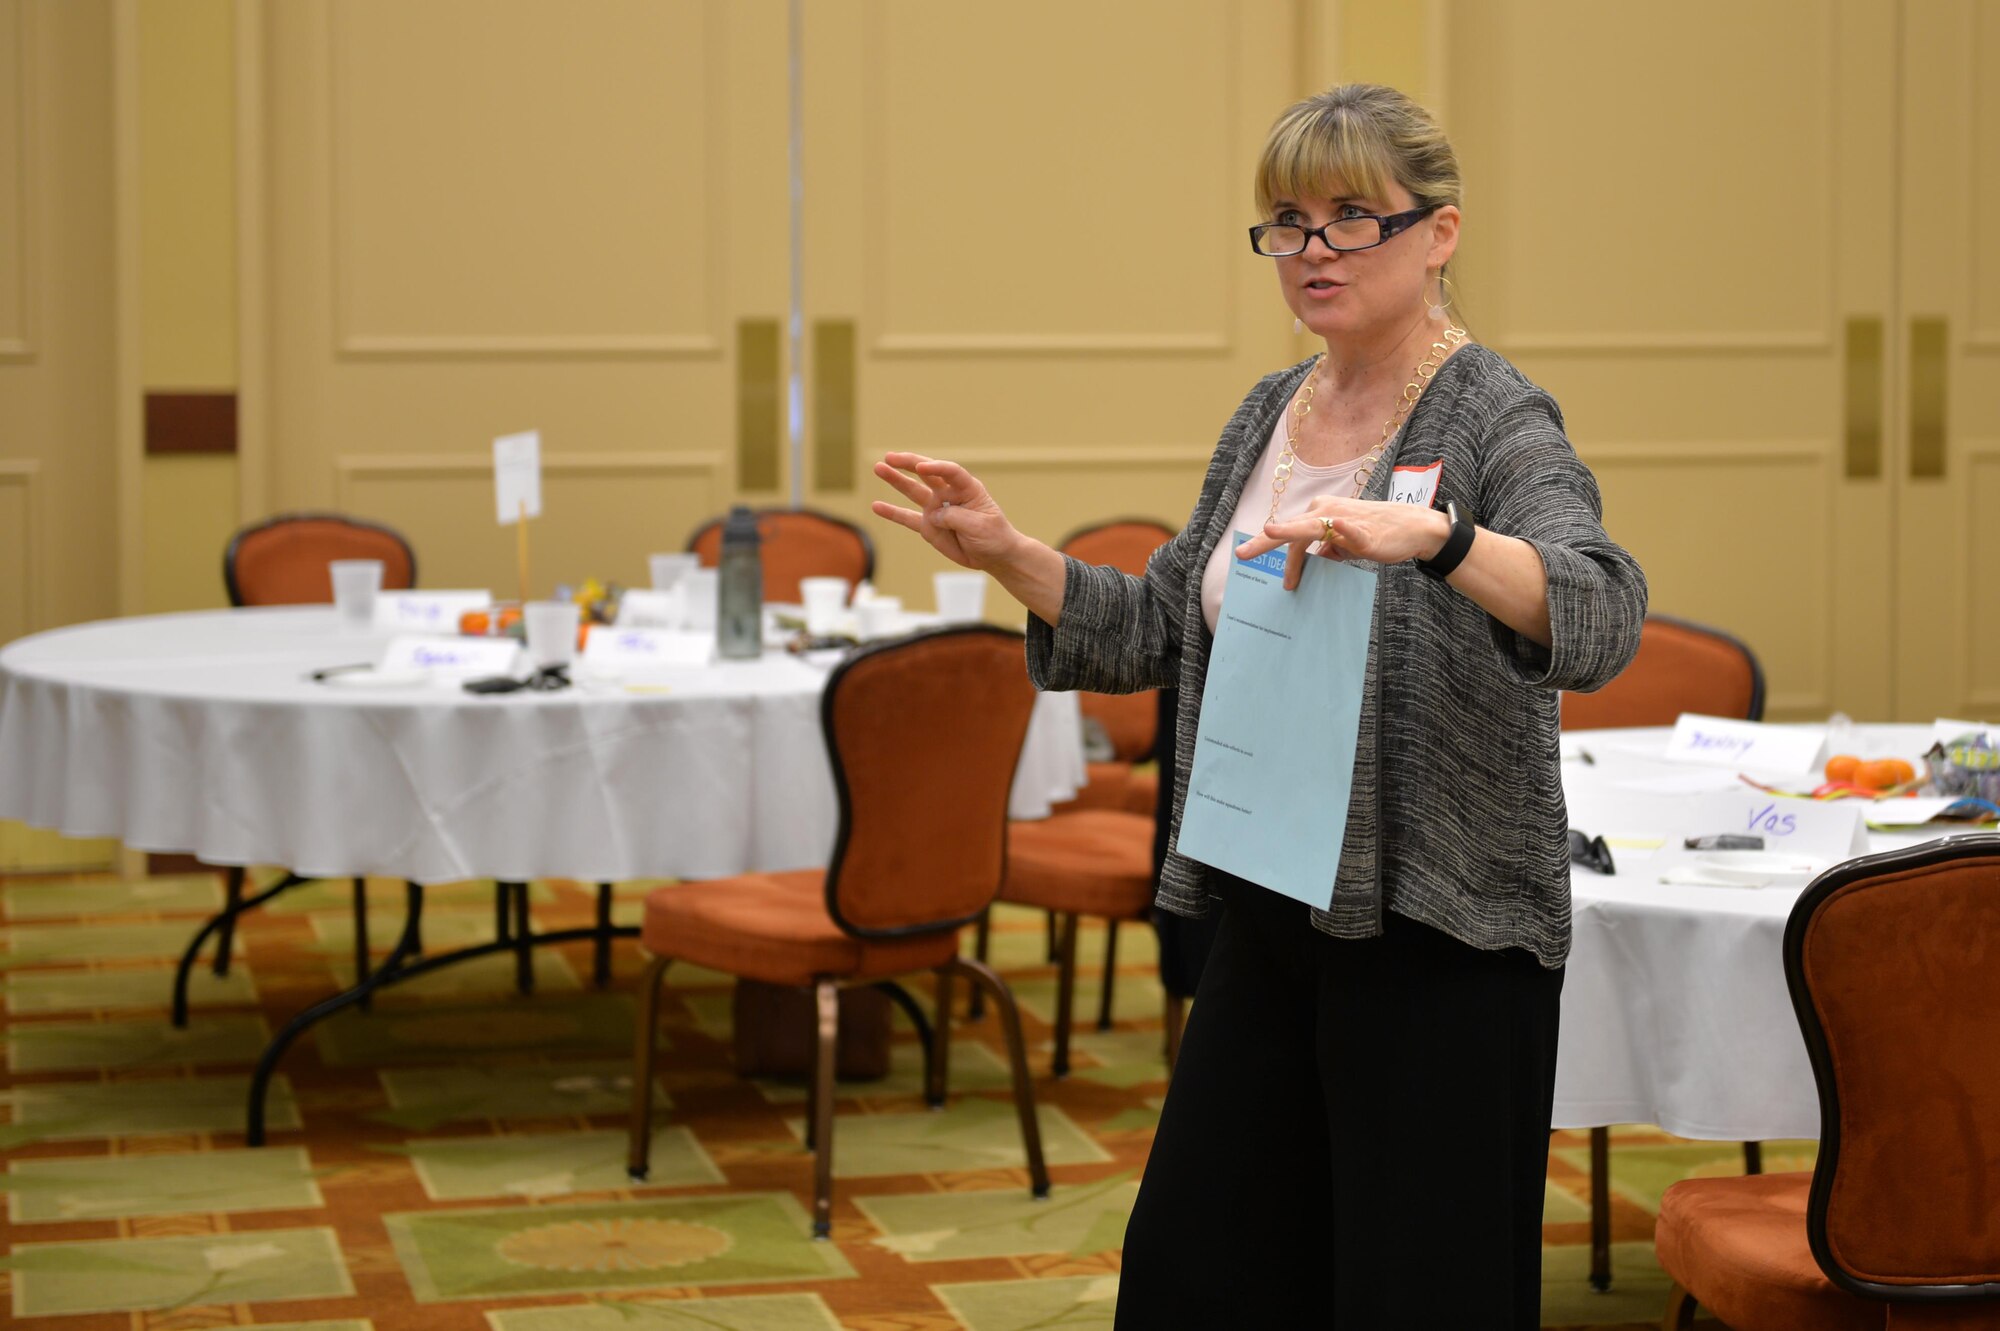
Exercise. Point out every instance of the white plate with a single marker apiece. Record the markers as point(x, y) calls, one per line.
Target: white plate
point(1757, 868)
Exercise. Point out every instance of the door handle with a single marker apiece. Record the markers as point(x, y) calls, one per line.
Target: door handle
point(1928, 348)
point(1864, 398)
point(833, 405)
point(758, 362)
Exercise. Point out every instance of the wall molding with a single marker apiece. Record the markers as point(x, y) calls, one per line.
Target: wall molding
point(1052, 344)
point(1707, 452)
point(1058, 457)
point(349, 468)
point(349, 344)
point(22, 474)
point(1665, 344)
point(21, 345)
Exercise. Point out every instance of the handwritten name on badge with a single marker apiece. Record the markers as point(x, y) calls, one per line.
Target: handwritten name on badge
point(1717, 741)
point(426, 612)
point(622, 648)
point(1820, 829)
point(449, 658)
point(1416, 485)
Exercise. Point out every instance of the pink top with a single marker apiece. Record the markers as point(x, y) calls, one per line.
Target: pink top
point(1254, 509)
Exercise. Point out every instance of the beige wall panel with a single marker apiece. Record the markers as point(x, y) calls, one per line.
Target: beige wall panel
point(190, 514)
point(187, 202)
point(1666, 502)
point(16, 229)
point(603, 514)
point(1982, 501)
point(469, 213)
point(1102, 185)
point(17, 551)
point(1982, 165)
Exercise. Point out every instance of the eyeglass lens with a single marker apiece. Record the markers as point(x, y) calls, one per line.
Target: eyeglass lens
point(1351, 233)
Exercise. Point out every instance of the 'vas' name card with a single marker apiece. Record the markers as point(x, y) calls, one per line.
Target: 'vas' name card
point(449, 658)
point(1830, 830)
point(624, 650)
point(1720, 742)
point(426, 612)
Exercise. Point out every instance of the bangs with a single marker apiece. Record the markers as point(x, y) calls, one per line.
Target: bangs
point(1316, 151)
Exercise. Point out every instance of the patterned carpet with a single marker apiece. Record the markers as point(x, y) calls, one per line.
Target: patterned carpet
point(454, 1160)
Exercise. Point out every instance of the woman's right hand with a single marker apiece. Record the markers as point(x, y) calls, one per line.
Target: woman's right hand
point(954, 512)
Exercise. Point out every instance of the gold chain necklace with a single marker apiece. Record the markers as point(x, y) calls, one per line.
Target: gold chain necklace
point(1426, 369)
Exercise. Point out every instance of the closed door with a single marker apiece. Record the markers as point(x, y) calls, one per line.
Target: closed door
point(1682, 222)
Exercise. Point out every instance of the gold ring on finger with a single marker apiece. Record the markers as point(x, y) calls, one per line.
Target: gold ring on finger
point(1325, 528)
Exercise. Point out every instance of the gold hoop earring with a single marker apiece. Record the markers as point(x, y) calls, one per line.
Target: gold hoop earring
point(1441, 307)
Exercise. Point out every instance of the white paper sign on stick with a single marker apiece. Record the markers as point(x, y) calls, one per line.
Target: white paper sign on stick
point(517, 475)
point(449, 658)
point(1830, 830)
point(426, 612)
point(1720, 742)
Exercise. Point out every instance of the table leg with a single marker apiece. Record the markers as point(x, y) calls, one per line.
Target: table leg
point(361, 958)
point(226, 918)
point(524, 942)
point(600, 966)
point(230, 908)
point(933, 1086)
point(1600, 1209)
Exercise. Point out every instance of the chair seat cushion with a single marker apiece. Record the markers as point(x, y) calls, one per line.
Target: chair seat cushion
point(1739, 1246)
point(1092, 862)
point(774, 927)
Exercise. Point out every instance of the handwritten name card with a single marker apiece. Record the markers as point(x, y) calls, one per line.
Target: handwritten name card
point(426, 612)
point(449, 658)
point(1720, 742)
point(617, 651)
point(652, 609)
point(1830, 830)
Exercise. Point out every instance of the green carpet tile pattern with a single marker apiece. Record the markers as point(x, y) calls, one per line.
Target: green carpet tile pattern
point(454, 1158)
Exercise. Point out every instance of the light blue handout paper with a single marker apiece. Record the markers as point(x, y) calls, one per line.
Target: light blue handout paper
point(1280, 714)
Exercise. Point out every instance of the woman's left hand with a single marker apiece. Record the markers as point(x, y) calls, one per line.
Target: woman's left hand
point(1380, 532)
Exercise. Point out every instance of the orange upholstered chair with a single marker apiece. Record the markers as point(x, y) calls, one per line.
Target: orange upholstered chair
point(920, 850)
point(1680, 667)
point(797, 543)
point(1893, 961)
point(282, 560)
point(1127, 718)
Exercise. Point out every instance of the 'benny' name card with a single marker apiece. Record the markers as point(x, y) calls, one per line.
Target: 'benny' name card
point(426, 612)
point(449, 658)
point(1720, 742)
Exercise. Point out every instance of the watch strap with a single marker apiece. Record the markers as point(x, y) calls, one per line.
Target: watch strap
point(1452, 553)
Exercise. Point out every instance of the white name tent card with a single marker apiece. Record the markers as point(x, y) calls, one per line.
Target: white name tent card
point(426, 612)
point(517, 475)
point(1944, 730)
point(1829, 830)
point(1720, 742)
point(640, 609)
point(449, 658)
point(1907, 812)
point(617, 651)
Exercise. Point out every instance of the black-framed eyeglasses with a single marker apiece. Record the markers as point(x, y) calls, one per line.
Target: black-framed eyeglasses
point(1275, 240)
point(1590, 852)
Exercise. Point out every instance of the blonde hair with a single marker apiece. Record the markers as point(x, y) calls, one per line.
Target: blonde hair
point(1362, 135)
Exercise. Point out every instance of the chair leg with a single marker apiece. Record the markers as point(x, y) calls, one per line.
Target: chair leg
point(1753, 1157)
point(1600, 1209)
point(936, 1074)
point(1049, 928)
point(982, 938)
point(1017, 1056)
point(1065, 991)
point(1110, 974)
point(361, 960)
point(1176, 1019)
point(1681, 1307)
point(826, 1040)
point(225, 934)
point(639, 1146)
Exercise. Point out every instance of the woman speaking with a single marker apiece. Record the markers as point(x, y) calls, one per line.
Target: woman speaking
point(1356, 1134)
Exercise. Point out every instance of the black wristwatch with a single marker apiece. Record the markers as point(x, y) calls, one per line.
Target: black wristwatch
point(1452, 553)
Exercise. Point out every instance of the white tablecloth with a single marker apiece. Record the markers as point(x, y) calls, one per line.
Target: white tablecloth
point(1674, 1006)
point(202, 733)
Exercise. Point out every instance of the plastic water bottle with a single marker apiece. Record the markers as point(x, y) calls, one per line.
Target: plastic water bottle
point(740, 599)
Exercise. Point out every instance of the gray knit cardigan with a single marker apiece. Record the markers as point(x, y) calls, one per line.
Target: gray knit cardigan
point(1456, 817)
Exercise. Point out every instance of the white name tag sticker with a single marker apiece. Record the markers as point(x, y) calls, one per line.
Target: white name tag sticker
point(449, 658)
point(1415, 485)
point(1829, 830)
point(426, 612)
point(652, 610)
point(1720, 742)
point(622, 650)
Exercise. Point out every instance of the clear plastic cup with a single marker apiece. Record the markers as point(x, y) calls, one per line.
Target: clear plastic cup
point(700, 587)
point(825, 602)
point(878, 618)
point(551, 629)
point(355, 585)
point(961, 596)
point(668, 570)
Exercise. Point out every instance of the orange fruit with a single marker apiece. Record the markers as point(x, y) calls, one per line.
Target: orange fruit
point(1879, 774)
point(1841, 767)
point(1902, 769)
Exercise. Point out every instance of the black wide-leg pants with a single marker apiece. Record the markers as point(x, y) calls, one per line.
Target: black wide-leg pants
point(1356, 1135)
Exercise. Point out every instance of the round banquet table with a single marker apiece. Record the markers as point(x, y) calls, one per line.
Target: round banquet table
point(1674, 1005)
point(204, 733)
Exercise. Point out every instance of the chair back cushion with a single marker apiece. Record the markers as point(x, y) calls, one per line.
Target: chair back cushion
point(1680, 667)
point(797, 543)
point(924, 734)
point(1894, 967)
point(1128, 718)
point(282, 561)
